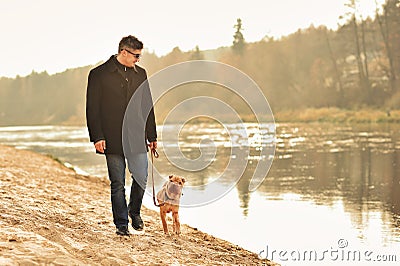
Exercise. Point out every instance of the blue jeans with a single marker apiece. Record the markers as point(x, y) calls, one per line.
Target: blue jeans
point(137, 166)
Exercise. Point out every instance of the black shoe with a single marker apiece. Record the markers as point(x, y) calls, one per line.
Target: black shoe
point(122, 230)
point(137, 222)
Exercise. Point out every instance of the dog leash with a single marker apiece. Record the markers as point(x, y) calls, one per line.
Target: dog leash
point(154, 154)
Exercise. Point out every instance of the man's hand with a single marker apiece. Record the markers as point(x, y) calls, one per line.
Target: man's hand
point(153, 145)
point(100, 146)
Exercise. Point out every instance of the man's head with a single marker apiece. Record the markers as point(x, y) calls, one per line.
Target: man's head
point(129, 50)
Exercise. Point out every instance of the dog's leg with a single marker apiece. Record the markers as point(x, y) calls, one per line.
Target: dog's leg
point(176, 223)
point(163, 213)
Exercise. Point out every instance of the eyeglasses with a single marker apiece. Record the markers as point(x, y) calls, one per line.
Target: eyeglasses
point(137, 56)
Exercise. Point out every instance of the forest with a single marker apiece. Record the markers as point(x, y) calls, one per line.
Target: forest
point(353, 67)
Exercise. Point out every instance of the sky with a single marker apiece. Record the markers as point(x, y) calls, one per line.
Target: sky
point(55, 35)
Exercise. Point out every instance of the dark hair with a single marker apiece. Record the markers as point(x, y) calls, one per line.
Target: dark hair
point(130, 42)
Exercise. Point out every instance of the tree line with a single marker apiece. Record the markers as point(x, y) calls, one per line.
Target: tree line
point(355, 66)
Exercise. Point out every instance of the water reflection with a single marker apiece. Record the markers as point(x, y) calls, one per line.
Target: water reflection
point(357, 165)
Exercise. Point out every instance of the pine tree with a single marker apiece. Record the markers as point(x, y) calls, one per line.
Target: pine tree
point(238, 39)
point(196, 54)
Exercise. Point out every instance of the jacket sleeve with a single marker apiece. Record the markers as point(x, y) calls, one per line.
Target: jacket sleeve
point(151, 131)
point(93, 108)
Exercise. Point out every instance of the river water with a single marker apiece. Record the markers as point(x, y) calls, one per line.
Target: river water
point(332, 195)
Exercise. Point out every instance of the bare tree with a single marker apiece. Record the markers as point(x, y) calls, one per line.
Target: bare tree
point(360, 53)
point(384, 22)
point(340, 101)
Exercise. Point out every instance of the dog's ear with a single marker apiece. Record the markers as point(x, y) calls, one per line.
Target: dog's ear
point(171, 176)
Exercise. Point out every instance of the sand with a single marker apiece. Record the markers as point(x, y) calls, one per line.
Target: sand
point(50, 215)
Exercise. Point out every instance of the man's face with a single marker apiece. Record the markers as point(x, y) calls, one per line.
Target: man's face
point(131, 57)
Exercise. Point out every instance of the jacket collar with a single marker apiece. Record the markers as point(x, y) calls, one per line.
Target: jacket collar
point(112, 64)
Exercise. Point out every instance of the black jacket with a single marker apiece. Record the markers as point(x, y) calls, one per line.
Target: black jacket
point(108, 95)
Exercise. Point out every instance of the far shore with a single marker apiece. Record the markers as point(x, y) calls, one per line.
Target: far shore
point(303, 115)
point(336, 115)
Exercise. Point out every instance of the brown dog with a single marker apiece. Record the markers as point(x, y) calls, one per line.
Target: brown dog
point(168, 198)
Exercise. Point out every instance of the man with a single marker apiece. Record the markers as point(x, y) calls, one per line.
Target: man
point(109, 91)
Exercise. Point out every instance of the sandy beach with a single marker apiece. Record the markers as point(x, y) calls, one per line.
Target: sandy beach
point(50, 215)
